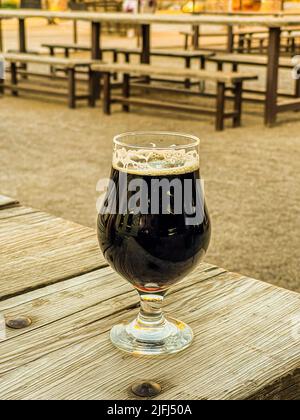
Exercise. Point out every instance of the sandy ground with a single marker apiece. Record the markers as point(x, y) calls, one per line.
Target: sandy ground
point(52, 158)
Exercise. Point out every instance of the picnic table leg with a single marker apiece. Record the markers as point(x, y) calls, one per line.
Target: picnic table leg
point(202, 67)
point(146, 45)
point(145, 56)
point(249, 44)
point(220, 106)
point(72, 88)
point(52, 54)
point(14, 78)
point(187, 82)
point(230, 39)
point(106, 94)
point(22, 36)
point(238, 91)
point(75, 32)
point(22, 41)
point(115, 60)
point(186, 41)
point(241, 44)
point(126, 90)
point(196, 33)
point(272, 76)
point(96, 53)
point(92, 97)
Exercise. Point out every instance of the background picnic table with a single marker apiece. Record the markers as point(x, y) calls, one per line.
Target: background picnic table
point(51, 271)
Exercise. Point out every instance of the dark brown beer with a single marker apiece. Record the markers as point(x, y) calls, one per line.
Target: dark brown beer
point(153, 251)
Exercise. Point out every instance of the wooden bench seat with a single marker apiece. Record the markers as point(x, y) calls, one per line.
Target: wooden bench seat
point(249, 60)
point(259, 42)
point(237, 60)
point(247, 40)
point(187, 56)
point(163, 52)
point(69, 65)
point(225, 81)
point(67, 48)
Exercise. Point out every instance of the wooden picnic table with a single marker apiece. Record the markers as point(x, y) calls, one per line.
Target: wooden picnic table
point(56, 285)
point(274, 24)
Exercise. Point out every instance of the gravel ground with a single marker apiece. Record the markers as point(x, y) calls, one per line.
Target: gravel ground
point(52, 158)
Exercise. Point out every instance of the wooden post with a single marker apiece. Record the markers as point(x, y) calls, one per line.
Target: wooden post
point(71, 88)
point(187, 82)
point(126, 90)
point(96, 48)
point(22, 36)
point(238, 90)
point(92, 97)
point(75, 32)
point(145, 56)
point(196, 33)
point(220, 106)
point(22, 41)
point(14, 78)
point(230, 39)
point(96, 53)
point(272, 76)
point(106, 94)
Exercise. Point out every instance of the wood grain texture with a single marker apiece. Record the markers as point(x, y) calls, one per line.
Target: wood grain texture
point(244, 345)
point(265, 21)
point(38, 249)
point(7, 201)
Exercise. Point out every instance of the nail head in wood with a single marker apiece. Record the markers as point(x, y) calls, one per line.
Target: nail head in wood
point(19, 322)
point(146, 389)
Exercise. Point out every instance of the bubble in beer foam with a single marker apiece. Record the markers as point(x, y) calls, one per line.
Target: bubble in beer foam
point(156, 161)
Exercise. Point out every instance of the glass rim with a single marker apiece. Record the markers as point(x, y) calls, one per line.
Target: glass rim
point(194, 140)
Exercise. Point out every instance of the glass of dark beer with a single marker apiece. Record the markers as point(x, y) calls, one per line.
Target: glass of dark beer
point(153, 229)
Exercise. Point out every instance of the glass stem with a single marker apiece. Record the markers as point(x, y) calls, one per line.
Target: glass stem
point(151, 314)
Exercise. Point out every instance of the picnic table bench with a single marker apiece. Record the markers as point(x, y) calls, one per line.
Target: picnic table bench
point(187, 56)
point(67, 48)
point(237, 60)
point(275, 24)
point(225, 81)
point(59, 300)
point(69, 65)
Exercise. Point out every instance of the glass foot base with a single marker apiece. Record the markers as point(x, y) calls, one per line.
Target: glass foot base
point(170, 337)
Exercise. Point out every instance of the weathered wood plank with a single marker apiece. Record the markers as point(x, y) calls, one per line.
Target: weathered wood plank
point(38, 249)
point(54, 61)
point(15, 211)
point(151, 70)
point(7, 201)
point(94, 296)
point(250, 59)
point(133, 18)
point(244, 345)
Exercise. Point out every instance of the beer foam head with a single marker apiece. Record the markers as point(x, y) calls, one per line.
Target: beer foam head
point(156, 153)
